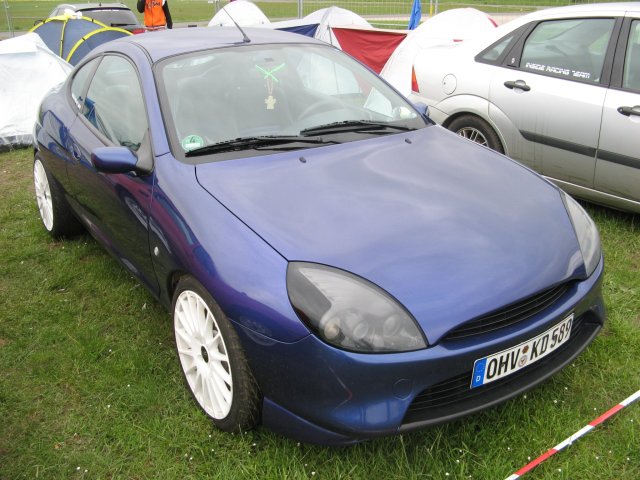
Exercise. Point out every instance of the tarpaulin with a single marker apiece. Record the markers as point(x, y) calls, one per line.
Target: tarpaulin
point(307, 30)
point(371, 47)
point(28, 70)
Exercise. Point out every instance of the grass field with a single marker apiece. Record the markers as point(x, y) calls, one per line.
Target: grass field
point(90, 386)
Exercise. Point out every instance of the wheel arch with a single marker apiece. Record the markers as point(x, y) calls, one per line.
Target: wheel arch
point(457, 106)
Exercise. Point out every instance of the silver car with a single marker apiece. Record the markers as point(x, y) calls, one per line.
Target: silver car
point(111, 14)
point(558, 90)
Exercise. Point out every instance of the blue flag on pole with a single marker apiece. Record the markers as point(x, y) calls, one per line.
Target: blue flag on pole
point(416, 15)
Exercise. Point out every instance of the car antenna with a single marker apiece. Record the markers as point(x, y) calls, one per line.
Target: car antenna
point(245, 38)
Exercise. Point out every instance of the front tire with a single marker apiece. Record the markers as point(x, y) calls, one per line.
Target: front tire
point(212, 359)
point(55, 212)
point(477, 130)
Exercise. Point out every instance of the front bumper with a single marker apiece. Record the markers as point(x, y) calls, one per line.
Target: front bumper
point(319, 394)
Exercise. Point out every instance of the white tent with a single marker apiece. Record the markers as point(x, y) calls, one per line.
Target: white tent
point(333, 17)
point(448, 27)
point(244, 12)
point(28, 70)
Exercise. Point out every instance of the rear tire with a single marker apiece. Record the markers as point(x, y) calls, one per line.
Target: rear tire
point(55, 212)
point(212, 360)
point(477, 130)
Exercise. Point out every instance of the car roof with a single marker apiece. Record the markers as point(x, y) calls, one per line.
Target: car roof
point(78, 7)
point(167, 43)
point(592, 8)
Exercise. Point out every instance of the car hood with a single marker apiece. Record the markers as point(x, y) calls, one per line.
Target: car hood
point(450, 229)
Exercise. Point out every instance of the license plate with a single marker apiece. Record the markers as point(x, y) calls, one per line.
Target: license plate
point(499, 365)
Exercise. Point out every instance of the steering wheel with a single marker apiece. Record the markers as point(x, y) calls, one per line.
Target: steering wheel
point(316, 106)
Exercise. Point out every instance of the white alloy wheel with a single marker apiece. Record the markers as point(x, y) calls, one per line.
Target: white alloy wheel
point(43, 194)
point(203, 354)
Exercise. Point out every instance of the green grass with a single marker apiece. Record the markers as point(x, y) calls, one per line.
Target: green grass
point(90, 386)
point(25, 12)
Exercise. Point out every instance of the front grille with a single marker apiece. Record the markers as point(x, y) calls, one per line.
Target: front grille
point(454, 397)
point(510, 315)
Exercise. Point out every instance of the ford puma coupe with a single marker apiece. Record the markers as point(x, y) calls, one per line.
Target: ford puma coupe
point(338, 267)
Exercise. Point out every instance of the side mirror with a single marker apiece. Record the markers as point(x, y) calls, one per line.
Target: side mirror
point(422, 108)
point(114, 160)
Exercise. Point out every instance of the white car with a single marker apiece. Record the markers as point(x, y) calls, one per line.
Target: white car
point(557, 90)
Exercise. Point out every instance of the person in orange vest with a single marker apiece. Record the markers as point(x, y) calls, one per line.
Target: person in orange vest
point(156, 14)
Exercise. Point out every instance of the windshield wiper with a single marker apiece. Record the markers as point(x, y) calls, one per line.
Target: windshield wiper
point(245, 143)
point(364, 126)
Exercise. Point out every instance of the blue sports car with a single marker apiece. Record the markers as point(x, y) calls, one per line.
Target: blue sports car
point(337, 266)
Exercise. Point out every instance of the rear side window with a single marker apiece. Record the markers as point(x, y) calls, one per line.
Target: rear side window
point(114, 104)
point(493, 53)
point(574, 49)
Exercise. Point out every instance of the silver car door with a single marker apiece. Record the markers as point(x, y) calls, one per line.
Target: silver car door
point(551, 90)
point(618, 164)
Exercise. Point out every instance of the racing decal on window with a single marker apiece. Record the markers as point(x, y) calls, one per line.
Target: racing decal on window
point(567, 72)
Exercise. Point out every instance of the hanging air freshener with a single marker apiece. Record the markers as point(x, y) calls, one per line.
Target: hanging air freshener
point(269, 76)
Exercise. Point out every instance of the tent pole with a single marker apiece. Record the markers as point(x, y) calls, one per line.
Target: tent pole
point(9, 23)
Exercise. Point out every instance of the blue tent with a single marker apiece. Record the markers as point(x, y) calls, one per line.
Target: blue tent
point(72, 37)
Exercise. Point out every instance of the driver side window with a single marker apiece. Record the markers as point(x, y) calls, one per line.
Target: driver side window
point(114, 103)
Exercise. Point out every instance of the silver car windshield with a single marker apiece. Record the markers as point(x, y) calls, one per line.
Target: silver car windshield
point(276, 96)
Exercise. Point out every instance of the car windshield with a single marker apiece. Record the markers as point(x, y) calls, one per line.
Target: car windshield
point(265, 98)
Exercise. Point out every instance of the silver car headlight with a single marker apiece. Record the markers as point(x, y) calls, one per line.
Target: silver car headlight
point(586, 231)
point(349, 312)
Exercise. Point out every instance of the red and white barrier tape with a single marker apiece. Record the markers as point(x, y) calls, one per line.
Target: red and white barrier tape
point(565, 443)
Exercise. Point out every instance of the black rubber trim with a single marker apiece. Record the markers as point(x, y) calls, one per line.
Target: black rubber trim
point(632, 162)
point(561, 144)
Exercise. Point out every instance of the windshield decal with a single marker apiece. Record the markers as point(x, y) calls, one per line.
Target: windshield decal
point(191, 142)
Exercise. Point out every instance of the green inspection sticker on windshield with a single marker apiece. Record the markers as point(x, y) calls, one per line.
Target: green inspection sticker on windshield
point(191, 142)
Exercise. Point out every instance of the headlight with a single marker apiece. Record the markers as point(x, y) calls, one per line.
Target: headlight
point(586, 232)
point(349, 312)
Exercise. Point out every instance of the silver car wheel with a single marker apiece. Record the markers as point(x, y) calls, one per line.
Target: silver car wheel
point(474, 135)
point(43, 194)
point(203, 354)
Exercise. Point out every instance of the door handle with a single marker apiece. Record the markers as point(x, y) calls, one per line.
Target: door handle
point(628, 111)
point(519, 84)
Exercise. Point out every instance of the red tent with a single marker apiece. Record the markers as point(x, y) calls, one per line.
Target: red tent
point(371, 47)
